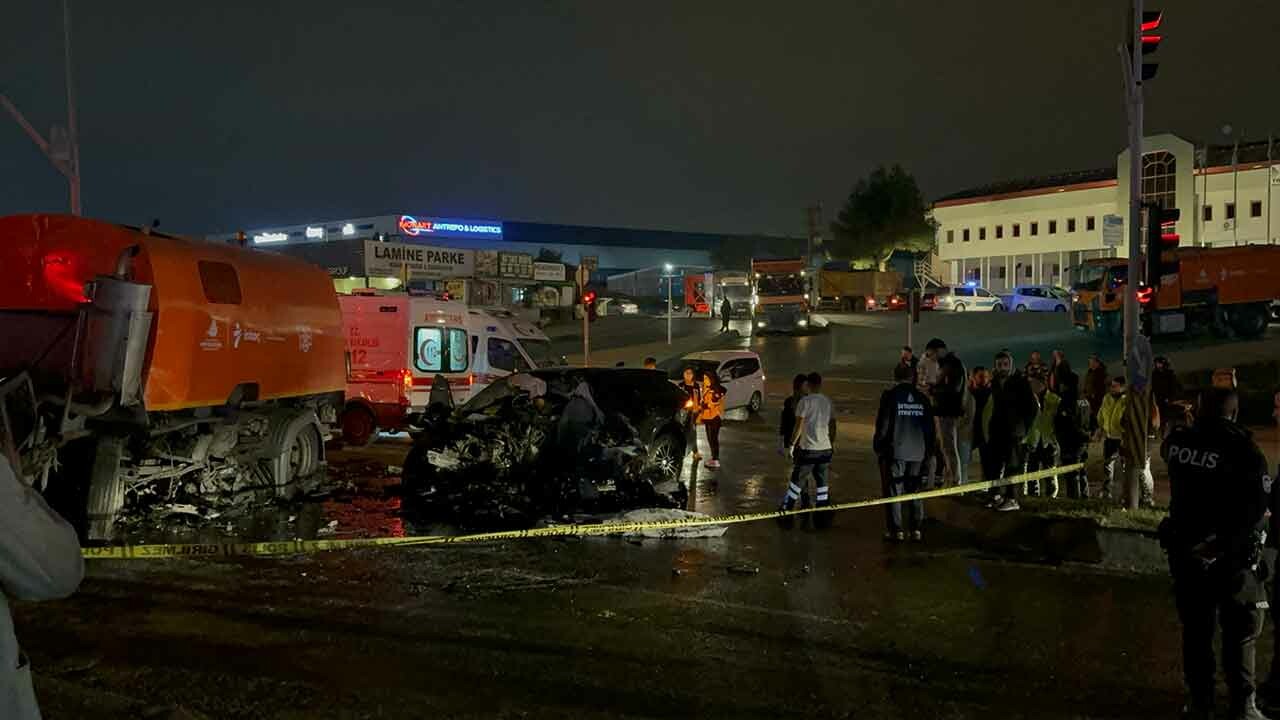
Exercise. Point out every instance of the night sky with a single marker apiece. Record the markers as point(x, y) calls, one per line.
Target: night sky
point(724, 116)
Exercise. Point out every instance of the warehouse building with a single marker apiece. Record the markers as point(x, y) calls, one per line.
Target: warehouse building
point(1035, 231)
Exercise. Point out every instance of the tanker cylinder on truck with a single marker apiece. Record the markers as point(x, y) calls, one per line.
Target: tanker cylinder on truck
point(116, 327)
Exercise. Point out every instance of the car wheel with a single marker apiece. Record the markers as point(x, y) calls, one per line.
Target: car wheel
point(1021, 308)
point(959, 307)
point(1060, 308)
point(1249, 321)
point(667, 454)
point(997, 308)
point(757, 402)
point(359, 427)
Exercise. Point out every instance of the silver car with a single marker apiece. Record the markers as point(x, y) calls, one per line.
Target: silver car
point(1038, 298)
point(963, 298)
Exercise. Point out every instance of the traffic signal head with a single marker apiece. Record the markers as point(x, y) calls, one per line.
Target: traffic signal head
point(1150, 37)
point(1146, 294)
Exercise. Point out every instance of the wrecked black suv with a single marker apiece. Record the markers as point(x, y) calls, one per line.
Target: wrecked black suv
point(552, 442)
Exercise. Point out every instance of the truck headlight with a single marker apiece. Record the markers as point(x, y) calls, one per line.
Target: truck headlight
point(760, 323)
point(802, 322)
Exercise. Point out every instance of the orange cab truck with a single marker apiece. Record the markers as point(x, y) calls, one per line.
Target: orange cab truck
point(152, 361)
point(780, 297)
point(1218, 289)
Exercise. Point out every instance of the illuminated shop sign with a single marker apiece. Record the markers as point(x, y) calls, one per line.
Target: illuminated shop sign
point(411, 226)
point(270, 237)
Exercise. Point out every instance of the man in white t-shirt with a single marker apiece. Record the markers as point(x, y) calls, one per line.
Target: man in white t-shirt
point(811, 447)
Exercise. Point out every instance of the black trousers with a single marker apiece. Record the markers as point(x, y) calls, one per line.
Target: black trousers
point(713, 435)
point(1001, 460)
point(1206, 601)
point(1078, 481)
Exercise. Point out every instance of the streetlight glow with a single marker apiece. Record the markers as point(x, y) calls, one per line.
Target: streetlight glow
point(668, 267)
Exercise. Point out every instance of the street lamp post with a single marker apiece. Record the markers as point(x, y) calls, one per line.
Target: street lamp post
point(62, 147)
point(670, 283)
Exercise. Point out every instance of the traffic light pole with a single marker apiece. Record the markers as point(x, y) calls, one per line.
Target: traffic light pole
point(1138, 439)
point(586, 335)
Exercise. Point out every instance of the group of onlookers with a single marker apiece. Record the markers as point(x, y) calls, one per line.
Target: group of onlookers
point(1017, 420)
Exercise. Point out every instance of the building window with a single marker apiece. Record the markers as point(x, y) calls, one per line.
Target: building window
point(1056, 269)
point(1002, 272)
point(1053, 227)
point(1071, 224)
point(999, 231)
point(1255, 208)
point(1231, 211)
point(951, 236)
point(1159, 179)
point(966, 234)
point(982, 233)
point(1208, 213)
point(1027, 272)
point(1088, 224)
point(1017, 229)
point(1035, 229)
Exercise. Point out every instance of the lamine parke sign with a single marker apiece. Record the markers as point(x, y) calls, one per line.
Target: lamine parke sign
point(428, 262)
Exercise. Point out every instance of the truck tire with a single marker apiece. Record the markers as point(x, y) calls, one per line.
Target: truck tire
point(1250, 321)
point(359, 426)
point(106, 487)
point(295, 450)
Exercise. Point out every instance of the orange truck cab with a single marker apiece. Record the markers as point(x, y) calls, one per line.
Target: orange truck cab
point(159, 359)
point(1226, 290)
point(780, 296)
point(398, 344)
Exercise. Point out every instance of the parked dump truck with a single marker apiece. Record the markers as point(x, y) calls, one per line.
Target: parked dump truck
point(1225, 290)
point(854, 290)
point(152, 362)
point(779, 299)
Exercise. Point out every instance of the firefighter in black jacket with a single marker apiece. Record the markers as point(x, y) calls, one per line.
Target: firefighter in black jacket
point(1219, 489)
point(904, 441)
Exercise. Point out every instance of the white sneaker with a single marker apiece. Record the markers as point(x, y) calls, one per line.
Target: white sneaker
point(995, 502)
point(1008, 505)
point(916, 536)
point(713, 463)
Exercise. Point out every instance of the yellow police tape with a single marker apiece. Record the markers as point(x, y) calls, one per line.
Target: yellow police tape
point(294, 547)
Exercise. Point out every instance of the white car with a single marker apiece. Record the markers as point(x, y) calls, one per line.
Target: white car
point(618, 306)
point(963, 298)
point(1038, 298)
point(740, 373)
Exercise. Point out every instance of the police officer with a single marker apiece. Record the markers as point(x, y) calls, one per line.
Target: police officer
point(1218, 498)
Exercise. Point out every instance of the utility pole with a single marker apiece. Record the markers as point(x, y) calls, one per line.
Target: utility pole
point(62, 149)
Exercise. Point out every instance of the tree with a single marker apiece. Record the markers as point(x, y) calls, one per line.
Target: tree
point(885, 212)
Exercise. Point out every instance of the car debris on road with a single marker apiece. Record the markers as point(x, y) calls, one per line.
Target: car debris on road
point(552, 442)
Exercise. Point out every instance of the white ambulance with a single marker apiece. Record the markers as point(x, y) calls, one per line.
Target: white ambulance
point(397, 344)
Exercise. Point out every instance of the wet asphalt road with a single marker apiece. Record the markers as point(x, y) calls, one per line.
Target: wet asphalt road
point(758, 623)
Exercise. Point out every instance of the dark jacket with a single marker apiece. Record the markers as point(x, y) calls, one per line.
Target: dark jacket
point(1072, 422)
point(1165, 389)
point(904, 425)
point(1095, 388)
point(981, 396)
point(787, 426)
point(726, 308)
point(1013, 410)
point(953, 383)
point(1218, 487)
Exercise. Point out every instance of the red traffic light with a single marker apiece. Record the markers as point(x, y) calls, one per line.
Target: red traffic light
point(1151, 20)
point(588, 297)
point(1145, 294)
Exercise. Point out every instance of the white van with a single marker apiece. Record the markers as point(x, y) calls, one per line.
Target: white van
point(397, 344)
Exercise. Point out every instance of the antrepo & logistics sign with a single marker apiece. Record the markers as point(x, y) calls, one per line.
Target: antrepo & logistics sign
point(426, 262)
point(411, 226)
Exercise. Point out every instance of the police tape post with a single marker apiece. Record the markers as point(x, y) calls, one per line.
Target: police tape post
point(298, 547)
